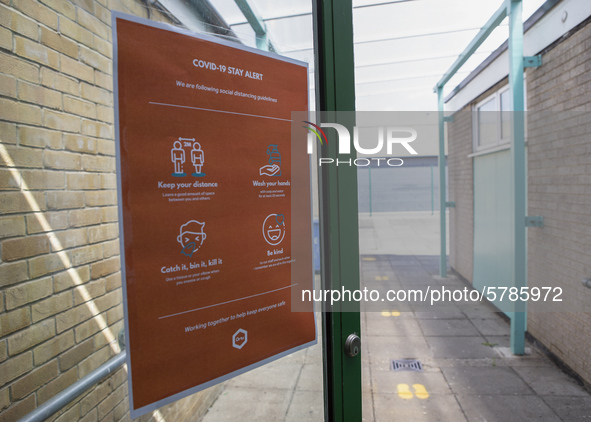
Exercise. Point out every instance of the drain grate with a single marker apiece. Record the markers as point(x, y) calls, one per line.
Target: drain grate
point(406, 365)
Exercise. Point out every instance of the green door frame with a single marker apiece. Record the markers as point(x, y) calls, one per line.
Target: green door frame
point(339, 236)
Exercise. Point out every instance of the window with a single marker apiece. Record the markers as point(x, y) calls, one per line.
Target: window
point(492, 121)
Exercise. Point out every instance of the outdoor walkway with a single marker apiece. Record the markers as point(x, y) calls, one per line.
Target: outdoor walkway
point(468, 373)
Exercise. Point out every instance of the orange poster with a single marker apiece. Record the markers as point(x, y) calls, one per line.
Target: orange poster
point(214, 208)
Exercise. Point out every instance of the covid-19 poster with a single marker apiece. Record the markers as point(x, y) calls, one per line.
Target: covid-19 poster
point(214, 208)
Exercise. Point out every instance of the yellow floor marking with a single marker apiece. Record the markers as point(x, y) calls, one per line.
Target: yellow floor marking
point(368, 259)
point(378, 277)
point(404, 392)
point(395, 313)
point(385, 313)
point(385, 277)
point(420, 391)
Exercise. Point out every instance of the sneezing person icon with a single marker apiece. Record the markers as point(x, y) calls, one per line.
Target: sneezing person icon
point(191, 237)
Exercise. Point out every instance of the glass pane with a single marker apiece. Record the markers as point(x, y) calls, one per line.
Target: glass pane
point(487, 124)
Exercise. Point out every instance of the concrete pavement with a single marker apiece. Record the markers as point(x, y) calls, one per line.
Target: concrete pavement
point(468, 373)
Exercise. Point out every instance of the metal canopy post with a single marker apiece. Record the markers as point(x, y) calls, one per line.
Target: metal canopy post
point(257, 24)
point(442, 184)
point(517, 62)
point(519, 187)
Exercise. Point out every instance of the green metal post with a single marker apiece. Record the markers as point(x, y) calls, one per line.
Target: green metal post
point(370, 208)
point(518, 163)
point(335, 79)
point(432, 200)
point(442, 198)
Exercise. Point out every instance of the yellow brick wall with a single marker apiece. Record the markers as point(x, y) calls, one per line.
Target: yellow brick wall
point(60, 285)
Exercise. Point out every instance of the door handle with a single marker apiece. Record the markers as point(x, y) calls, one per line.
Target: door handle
point(353, 345)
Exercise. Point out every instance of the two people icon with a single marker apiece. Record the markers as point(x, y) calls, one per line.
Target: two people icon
point(177, 156)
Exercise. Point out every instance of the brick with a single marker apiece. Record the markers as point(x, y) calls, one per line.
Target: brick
point(121, 410)
point(109, 215)
point(76, 354)
point(96, 94)
point(23, 157)
point(70, 415)
point(62, 160)
point(28, 292)
point(59, 200)
point(24, 247)
point(72, 30)
point(110, 402)
point(31, 336)
point(71, 278)
point(69, 239)
point(48, 221)
point(98, 163)
point(89, 291)
point(103, 80)
point(14, 321)
point(53, 347)
point(5, 39)
point(85, 217)
point(103, 13)
point(108, 181)
point(104, 47)
point(39, 95)
point(79, 143)
point(12, 226)
point(39, 138)
point(15, 66)
point(8, 86)
point(8, 133)
point(91, 363)
point(77, 69)
point(54, 387)
point(62, 44)
point(72, 317)
point(59, 82)
point(18, 23)
point(105, 114)
point(19, 112)
point(114, 315)
point(83, 181)
point(87, 254)
point(62, 7)
point(111, 248)
point(94, 25)
point(100, 198)
point(36, 52)
point(79, 107)
point(51, 306)
point(15, 367)
point(96, 129)
point(61, 121)
point(104, 267)
point(113, 281)
point(41, 179)
point(11, 273)
point(33, 380)
point(93, 398)
point(38, 12)
point(95, 60)
point(102, 233)
point(4, 399)
point(10, 180)
point(18, 410)
point(46, 264)
point(106, 147)
point(16, 202)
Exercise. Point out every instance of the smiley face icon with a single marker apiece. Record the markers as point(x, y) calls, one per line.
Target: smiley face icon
point(274, 229)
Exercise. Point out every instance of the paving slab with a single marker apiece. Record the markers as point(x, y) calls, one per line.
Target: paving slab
point(460, 347)
point(304, 406)
point(506, 409)
point(386, 382)
point(442, 408)
point(570, 409)
point(448, 327)
point(551, 381)
point(486, 381)
point(261, 405)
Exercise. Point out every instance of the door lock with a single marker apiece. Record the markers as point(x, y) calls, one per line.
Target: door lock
point(353, 345)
